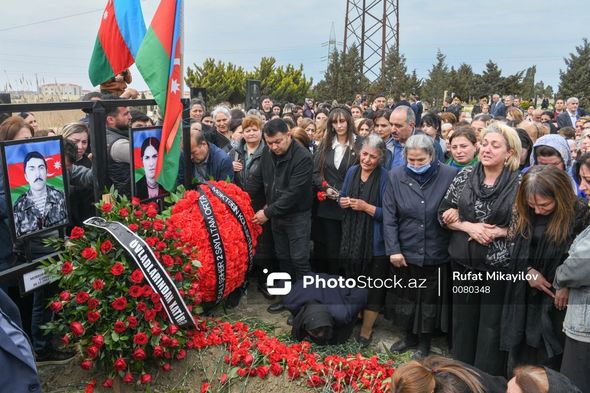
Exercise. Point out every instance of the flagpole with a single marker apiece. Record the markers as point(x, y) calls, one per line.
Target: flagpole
point(181, 49)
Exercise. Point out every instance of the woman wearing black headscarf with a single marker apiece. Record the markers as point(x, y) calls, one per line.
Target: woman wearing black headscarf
point(478, 209)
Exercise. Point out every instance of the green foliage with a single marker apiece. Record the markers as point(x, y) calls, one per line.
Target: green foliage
point(343, 78)
point(395, 80)
point(226, 82)
point(438, 80)
point(575, 80)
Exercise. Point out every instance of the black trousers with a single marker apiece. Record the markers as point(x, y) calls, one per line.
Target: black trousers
point(576, 363)
point(476, 327)
point(291, 239)
point(326, 245)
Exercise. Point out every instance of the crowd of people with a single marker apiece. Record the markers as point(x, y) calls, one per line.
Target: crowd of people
point(453, 200)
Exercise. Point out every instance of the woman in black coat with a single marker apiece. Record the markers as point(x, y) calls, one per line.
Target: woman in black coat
point(548, 219)
point(478, 210)
point(334, 156)
point(245, 160)
point(416, 243)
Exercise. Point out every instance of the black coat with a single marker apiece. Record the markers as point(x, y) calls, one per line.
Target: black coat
point(284, 180)
point(244, 176)
point(335, 178)
point(410, 219)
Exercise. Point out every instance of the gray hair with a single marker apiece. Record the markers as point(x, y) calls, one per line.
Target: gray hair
point(422, 142)
point(572, 99)
point(374, 141)
point(410, 115)
point(221, 109)
point(198, 101)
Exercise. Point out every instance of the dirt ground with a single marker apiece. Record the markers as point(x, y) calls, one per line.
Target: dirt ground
point(208, 365)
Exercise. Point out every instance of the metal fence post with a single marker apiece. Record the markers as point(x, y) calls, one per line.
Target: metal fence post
point(98, 146)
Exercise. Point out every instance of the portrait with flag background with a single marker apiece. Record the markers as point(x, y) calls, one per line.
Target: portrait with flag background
point(36, 190)
point(144, 145)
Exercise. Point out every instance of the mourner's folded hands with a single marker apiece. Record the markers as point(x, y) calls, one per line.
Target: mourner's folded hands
point(450, 216)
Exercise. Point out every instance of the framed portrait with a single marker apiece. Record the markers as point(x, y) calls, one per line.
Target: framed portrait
point(36, 187)
point(145, 145)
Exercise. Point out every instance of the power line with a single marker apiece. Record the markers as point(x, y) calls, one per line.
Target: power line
point(50, 20)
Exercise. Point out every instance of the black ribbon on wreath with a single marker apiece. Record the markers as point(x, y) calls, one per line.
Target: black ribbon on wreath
point(239, 215)
point(215, 241)
point(156, 276)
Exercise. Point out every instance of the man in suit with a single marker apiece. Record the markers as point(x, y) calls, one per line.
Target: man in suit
point(19, 372)
point(497, 108)
point(570, 115)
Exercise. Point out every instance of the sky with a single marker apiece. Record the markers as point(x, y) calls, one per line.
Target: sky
point(52, 41)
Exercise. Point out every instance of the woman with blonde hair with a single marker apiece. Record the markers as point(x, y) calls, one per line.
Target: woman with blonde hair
point(535, 379)
point(515, 116)
point(478, 210)
point(78, 134)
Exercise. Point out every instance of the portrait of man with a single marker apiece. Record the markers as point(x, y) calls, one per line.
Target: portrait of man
point(146, 145)
point(42, 206)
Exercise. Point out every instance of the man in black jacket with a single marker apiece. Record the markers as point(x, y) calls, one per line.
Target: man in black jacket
point(284, 175)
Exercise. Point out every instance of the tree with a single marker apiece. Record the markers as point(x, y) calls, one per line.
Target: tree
point(223, 82)
point(394, 80)
point(343, 78)
point(491, 79)
point(575, 80)
point(283, 84)
point(512, 84)
point(461, 81)
point(528, 84)
point(438, 78)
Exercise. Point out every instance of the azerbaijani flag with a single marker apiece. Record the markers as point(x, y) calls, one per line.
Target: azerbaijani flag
point(15, 155)
point(159, 62)
point(121, 32)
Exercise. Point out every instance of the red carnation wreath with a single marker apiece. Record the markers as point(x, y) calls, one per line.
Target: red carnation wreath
point(187, 226)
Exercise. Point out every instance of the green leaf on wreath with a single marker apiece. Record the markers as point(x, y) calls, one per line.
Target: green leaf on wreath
point(196, 263)
point(115, 336)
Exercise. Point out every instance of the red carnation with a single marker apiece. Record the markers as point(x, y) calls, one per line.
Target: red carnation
point(276, 369)
point(89, 253)
point(98, 340)
point(123, 212)
point(167, 260)
point(108, 383)
point(120, 327)
point(145, 378)
point(120, 364)
point(106, 246)
point(138, 213)
point(262, 371)
point(158, 225)
point(141, 307)
point(146, 224)
point(93, 316)
point(158, 351)
point(67, 268)
point(65, 340)
point(92, 351)
point(155, 298)
point(135, 201)
point(117, 269)
point(135, 291)
point(151, 212)
point(64, 295)
point(92, 303)
point(86, 364)
point(106, 207)
point(56, 306)
point(172, 329)
point(166, 367)
point(156, 331)
point(137, 276)
point(77, 233)
point(133, 227)
point(248, 359)
point(147, 290)
point(77, 328)
point(119, 303)
point(181, 354)
point(138, 354)
point(98, 284)
point(140, 338)
point(324, 184)
point(82, 297)
point(321, 196)
point(132, 321)
point(128, 378)
point(149, 315)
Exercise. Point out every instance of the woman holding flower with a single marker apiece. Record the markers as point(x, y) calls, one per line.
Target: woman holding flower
point(334, 156)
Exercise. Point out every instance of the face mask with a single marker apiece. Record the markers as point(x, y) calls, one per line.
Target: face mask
point(418, 169)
